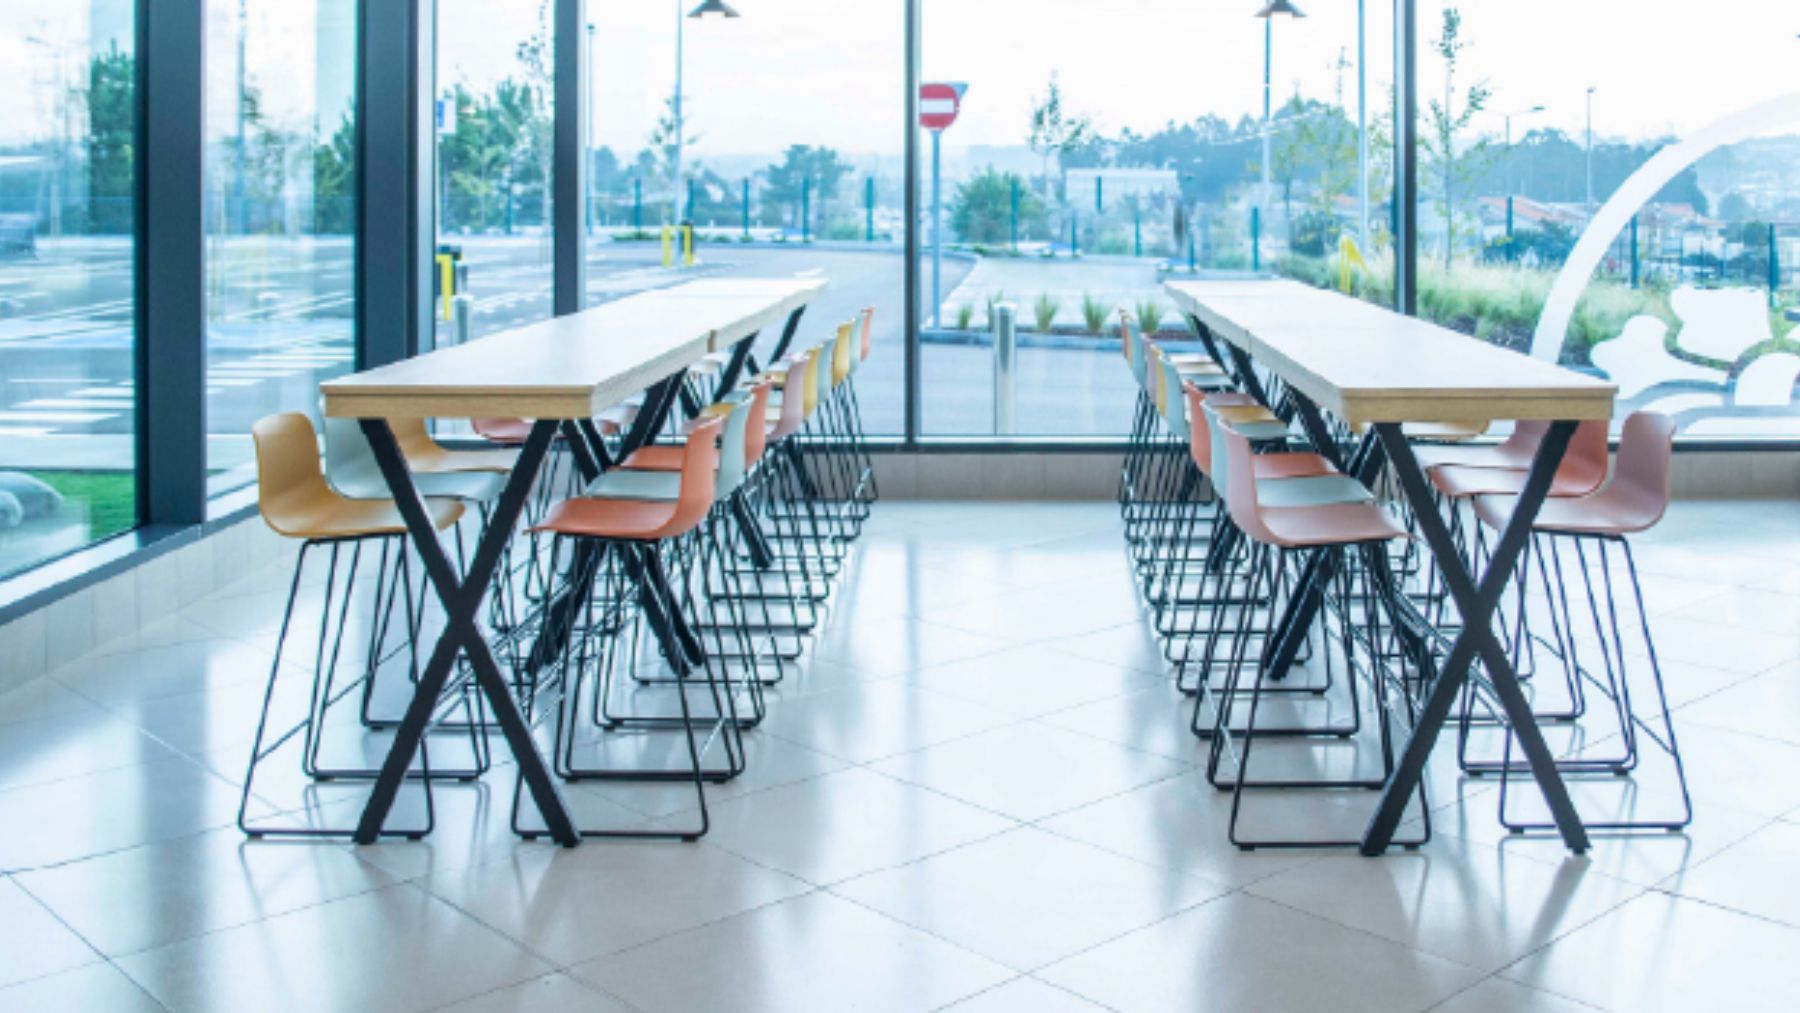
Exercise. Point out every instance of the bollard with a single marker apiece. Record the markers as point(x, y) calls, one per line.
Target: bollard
point(462, 317)
point(668, 248)
point(1005, 329)
point(687, 246)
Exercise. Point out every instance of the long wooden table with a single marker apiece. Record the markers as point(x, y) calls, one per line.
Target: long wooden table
point(560, 373)
point(1378, 370)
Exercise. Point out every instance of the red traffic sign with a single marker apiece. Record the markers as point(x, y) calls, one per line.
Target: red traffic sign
point(939, 103)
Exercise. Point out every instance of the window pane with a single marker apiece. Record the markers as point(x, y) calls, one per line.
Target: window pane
point(800, 174)
point(280, 214)
point(1546, 226)
point(66, 285)
point(495, 87)
point(1088, 164)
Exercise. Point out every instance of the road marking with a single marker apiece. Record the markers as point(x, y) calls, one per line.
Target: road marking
point(77, 403)
point(23, 431)
point(76, 418)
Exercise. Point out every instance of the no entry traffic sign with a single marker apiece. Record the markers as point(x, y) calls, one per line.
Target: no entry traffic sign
point(939, 103)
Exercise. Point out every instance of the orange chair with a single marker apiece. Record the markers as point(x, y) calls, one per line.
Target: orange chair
point(664, 553)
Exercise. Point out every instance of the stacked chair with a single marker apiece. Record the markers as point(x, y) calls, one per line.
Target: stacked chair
point(643, 611)
point(1225, 507)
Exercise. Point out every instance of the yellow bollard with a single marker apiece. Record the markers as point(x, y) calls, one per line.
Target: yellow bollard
point(1348, 256)
point(446, 280)
point(687, 245)
point(668, 248)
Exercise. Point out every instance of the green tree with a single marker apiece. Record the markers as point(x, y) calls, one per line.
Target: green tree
point(111, 140)
point(1452, 169)
point(786, 182)
point(1053, 131)
point(334, 180)
point(981, 209)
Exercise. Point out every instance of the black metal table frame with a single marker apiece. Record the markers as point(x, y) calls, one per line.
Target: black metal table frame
point(1476, 602)
point(461, 597)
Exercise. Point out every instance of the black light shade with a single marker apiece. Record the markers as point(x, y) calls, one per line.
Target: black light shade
point(1274, 7)
point(711, 9)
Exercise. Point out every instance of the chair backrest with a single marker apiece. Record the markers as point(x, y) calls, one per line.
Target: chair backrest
point(289, 484)
point(1232, 454)
point(495, 430)
point(1639, 488)
point(793, 396)
point(756, 433)
point(818, 378)
point(1169, 398)
point(868, 321)
point(746, 416)
point(350, 465)
point(841, 351)
point(699, 478)
point(1199, 429)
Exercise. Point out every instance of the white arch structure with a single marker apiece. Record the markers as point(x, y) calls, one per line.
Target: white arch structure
point(1635, 194)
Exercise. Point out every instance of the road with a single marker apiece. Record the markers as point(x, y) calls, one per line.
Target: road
point(280, 322)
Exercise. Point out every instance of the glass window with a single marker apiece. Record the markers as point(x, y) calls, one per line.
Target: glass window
point(1625, 207)
point(1088, 163)
point(800, 174)
point(67, 393)
point(495, 70)
point(280, 215)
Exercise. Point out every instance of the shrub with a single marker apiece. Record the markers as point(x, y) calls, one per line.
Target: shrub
point(1149, 316)
point(1094, 314)
point(1044, 311)
point(965, 316)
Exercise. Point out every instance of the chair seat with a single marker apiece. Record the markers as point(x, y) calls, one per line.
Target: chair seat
point(1185, 360)
point(498, 461)
point(1601, 514)
point(1232, 399)
point(1460, 482)
point(1330, 524)
point(1312, 491)
point(1296, 465)
point(1263, 432)
point(331, 516)
point(1478, 456)
point(661, 456)
point(630, 483)
point(468, 486)
point(624, 519)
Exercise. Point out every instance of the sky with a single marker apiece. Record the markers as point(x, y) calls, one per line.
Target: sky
point(830, 71)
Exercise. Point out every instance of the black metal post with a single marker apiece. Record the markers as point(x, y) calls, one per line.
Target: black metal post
point(396, 213)
point(910, 201)
point(1406, 157)
point(569, 157)
point(169, 263)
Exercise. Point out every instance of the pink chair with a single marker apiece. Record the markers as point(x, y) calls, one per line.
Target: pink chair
point(1594, 527)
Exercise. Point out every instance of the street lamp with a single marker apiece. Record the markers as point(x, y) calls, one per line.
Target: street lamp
point(587, 138)
point(1268, 14)
point(1509, 144)
point(1590, 148)
point(707, 9)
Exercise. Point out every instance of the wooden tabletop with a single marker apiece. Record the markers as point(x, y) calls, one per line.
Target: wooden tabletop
point(573, 366)
point(1368, 364)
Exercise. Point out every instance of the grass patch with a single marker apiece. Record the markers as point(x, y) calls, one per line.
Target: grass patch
point(109, 496)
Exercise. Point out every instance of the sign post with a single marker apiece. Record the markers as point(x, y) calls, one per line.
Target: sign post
point(939, 102)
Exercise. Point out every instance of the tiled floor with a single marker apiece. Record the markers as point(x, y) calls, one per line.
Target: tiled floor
point(979, 793)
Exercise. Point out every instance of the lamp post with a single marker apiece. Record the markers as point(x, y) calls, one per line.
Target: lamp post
point(1590, 148)
point(707, 9)
point(587, 139)
point(1362, 127)
point(1509, 143)
point(1268, 14)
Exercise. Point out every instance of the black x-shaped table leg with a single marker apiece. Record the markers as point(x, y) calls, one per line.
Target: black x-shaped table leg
point(1476, 602)
point(461, 598)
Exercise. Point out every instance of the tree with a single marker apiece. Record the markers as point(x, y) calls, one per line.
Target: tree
point(663, 149)
point(981, 209)
point(334, 180)
point(1054, 132)
point(111, 142)
point(805, 174)
point(1453, 170)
